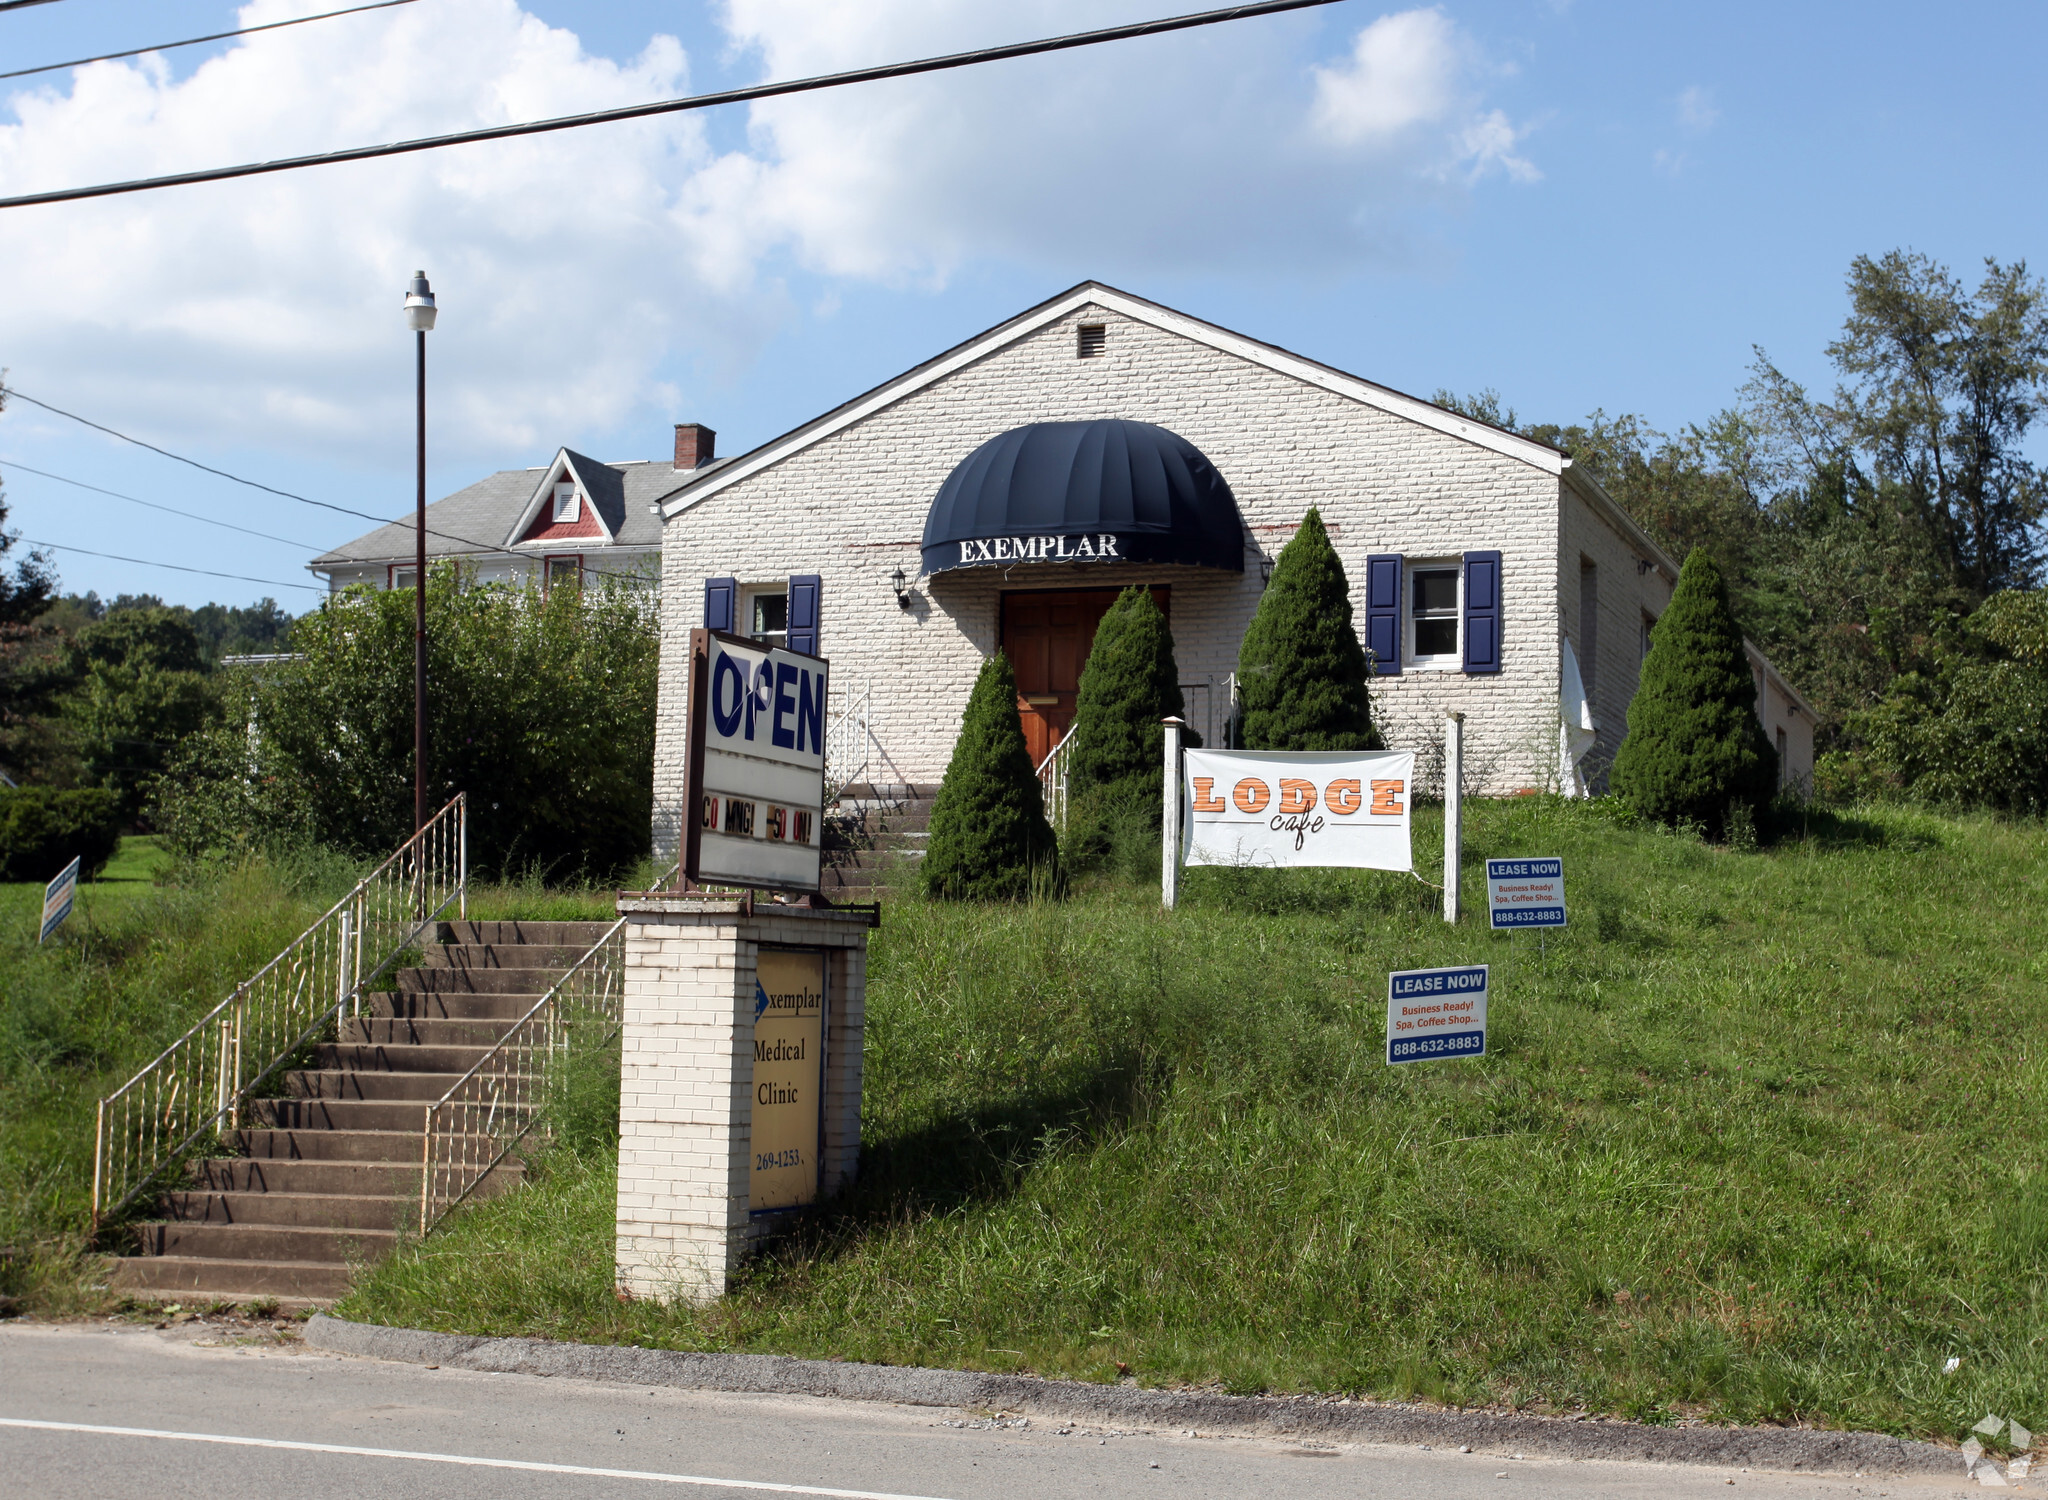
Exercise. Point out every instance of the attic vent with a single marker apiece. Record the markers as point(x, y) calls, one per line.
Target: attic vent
point(1093, 337)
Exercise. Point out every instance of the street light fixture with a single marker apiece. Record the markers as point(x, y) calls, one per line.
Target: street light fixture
point(419, 317)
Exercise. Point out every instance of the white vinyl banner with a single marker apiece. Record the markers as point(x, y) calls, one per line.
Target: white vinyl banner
point(1255, 807)
point(759, 805)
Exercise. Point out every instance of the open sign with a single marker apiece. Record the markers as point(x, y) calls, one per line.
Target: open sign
point(1300, 808)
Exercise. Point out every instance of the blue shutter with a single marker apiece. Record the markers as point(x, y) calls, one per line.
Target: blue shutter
point(1482, 611)
point(721, 597)
point(803, 613)
point(1383, 612)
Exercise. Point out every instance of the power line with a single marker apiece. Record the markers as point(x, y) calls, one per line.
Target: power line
point(194, 41)
point(446, 536)
point(145, 562)
point(8, 463)
point(672, 106)
point(23, 4)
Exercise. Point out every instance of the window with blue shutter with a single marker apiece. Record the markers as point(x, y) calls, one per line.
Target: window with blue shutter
point(720, 597)
point(803, 613)
point(1482, 612)
point(1383, 612)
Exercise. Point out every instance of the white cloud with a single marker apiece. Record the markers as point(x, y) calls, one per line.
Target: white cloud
point(1697, 113)
point(574, 269)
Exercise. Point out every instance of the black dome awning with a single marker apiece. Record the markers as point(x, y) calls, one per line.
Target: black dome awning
point(1102, 491)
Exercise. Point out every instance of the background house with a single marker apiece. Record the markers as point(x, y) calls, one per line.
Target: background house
point(559, 521)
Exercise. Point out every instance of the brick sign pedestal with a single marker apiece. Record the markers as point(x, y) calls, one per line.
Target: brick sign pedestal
point(688, 1170)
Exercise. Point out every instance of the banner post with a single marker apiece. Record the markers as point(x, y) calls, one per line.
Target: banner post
point(1454, 811)
point(1169, 818)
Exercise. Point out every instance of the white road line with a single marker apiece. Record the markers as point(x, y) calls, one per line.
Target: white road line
point(459, 1458)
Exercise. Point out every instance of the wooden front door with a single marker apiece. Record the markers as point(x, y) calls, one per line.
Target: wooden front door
point(1047, 637)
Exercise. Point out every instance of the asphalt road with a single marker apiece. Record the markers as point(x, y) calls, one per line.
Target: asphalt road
point(93, 1410)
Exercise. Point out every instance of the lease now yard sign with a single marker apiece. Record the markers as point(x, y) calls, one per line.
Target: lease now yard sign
point(1436, 1013)
point(1525, 892)
point(1257, 807)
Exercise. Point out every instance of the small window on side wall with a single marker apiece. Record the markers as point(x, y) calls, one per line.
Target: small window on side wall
point(1433, 615)
point(403, 578)
point(567, 507)
point(768, 617)
point(566, 571)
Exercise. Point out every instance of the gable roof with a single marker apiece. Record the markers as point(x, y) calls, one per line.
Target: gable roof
point(690, 491)
point(476, 520)
point(601, 484)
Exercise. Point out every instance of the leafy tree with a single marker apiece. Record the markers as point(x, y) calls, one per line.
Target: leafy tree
point(541, 707)
point(1695, 752)
point(989, 839)
point(1301, 672)
point(1974, 731)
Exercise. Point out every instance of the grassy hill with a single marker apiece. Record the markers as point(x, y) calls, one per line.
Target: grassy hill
point(1760, 1139)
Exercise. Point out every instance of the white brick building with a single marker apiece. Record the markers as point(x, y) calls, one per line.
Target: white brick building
point(1417, 499)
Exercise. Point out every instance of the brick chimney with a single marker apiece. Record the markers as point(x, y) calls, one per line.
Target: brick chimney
point(694, 444)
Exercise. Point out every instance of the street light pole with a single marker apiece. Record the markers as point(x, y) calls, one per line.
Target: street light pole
point(419, 317)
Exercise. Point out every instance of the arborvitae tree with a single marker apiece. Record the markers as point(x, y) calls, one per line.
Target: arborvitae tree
point(1695, 751)
point(1301, 672)
point(1129, 684)
point(988, 830)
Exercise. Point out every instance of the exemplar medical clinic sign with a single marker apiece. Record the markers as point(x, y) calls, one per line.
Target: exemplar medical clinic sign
point(1525, 892)
point(1331, 808)
point(757, 764)
point(1436, 1013)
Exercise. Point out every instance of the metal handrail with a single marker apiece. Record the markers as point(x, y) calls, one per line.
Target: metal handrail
point(1052, 781)
point(849, 743)
point(490, 1109)
point(183, 1095)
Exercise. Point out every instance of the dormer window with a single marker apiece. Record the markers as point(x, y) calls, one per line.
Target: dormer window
point(566, 508)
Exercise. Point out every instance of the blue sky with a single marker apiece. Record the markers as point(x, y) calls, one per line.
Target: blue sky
point(1581, 205)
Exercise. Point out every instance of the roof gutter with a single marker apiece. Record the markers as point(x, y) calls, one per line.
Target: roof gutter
point(1588, 489)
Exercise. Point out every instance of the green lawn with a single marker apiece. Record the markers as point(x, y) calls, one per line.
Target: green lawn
point(1760, 1139)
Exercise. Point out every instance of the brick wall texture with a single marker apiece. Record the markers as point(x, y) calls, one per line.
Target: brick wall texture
point(852, 507)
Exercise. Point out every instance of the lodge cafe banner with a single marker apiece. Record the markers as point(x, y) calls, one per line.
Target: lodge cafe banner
point(1249, 807)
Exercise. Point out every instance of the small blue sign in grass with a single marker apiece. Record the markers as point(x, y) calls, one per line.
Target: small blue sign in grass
point(1436, 1013)
point(1525, 892)
point(57, 898)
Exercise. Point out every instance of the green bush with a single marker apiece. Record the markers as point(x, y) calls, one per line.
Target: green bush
point(989, 839)
point(1301, 673)
point(540, 707)
point(1116, 770)
point(1695, 752)
point(1973, 732)
point(41, 829)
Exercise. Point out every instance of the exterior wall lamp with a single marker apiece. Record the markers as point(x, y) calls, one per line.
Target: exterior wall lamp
point(901, 583)
point(1265, 569)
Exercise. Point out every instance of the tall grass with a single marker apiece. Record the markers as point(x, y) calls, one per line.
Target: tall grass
point(1757, 1139)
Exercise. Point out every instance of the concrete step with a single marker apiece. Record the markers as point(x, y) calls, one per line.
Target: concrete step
point(534, 982)
point(325, 1178)
point(395, 1057)
point(286, 1242)
point(200, 1280)
point(400, 1148)
point(425, 1032)
point(502, 955)
point(336, 1083)
point(327, 1210)
point(340, 1114)
point(579, 935)
point(452, 1005)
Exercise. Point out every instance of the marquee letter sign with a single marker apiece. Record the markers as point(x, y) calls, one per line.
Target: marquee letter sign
point(1246, 807)
point(752, 813)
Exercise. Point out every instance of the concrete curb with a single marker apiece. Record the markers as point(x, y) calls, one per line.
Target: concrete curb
point(1784, 1449)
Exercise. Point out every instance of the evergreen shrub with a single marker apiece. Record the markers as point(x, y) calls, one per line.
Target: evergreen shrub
point(41, 828)
point(989, 839)
point(1695, 752)
point(1116, 772)
point(1302, 676)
